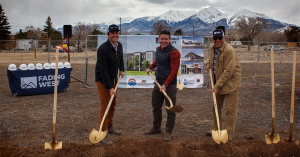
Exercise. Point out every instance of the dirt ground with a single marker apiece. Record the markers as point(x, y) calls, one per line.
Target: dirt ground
point(26, 121)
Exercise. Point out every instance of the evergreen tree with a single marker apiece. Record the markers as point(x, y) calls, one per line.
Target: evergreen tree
point(292, 34)
point(56, 37)
point(48, 29)
point(97, 32)
point(21, 35)
point(4, 27)
point(178, 32)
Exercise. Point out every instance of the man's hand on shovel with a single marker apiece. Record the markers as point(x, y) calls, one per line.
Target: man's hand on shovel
point(163, 88)
point(112, 91)
point(214, 90)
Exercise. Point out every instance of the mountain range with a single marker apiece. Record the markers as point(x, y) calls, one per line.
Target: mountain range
point(203, 21)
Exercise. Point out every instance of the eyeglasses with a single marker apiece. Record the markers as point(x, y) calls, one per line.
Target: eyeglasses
point(220, 38)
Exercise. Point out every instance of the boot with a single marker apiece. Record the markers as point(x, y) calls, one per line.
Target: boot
point(167, 137)
point(111, 130)
point(153, 131)
point(106, 141)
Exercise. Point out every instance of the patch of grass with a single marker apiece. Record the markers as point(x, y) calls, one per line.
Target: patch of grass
point(143, 73)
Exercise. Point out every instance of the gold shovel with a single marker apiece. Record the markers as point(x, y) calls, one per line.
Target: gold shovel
point(97, 136)
point(290, 140)
point(175, 108)
point(179, 85)
point(54, 145)
point(219, 135)
point(271, 137)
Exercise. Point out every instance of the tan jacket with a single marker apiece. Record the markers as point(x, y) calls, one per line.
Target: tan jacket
point(228, 68)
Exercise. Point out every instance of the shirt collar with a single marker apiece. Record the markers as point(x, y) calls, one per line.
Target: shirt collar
point(116, 47)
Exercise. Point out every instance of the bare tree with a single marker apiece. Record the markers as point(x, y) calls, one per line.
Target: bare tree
point(33, 33)
point(271, 37)
point(232, 35)
point(250, 27)
point(80, 32)
point(160, 25)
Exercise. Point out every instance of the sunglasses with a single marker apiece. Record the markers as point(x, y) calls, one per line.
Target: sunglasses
point(215, 38)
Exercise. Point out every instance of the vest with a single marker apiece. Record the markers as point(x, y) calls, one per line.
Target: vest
point(163, 69)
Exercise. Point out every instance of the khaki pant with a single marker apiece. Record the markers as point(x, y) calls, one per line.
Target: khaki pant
point(158, 99)
point(104, 95)
point(231, 102)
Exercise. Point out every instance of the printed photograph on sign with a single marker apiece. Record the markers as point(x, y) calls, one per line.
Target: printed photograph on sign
point(139, 54)
point(192, 58)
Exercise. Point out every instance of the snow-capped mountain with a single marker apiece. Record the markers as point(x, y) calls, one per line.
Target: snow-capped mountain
point(117, 20)
point(171, 16)
point(202, 22)
point(244, 13)
point(273, 25)
point(210, 15)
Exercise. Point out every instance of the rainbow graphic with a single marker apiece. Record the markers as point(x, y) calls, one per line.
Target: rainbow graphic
point(132, 82)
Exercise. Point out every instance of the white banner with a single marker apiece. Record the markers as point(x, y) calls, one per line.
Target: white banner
point(139, 54)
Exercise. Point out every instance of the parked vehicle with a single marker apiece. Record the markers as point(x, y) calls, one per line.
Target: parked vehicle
point(236, 43)
point(274, 47)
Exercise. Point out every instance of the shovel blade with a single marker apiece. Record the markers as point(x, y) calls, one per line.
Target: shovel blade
point(96, 136)
point(272, 138)
point(180, 86)
point(223, 137)
point(175, 108)
point(53, 145)
point(291, 141)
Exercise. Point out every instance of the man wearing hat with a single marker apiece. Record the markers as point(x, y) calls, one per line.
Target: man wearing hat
point(109, 61)
point(226, 73)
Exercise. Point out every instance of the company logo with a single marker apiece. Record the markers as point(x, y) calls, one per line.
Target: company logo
point(40, 81)
point(185, 80)
point(132, 82)
point(49, 80)
point(198, 80)
point(143, 82)
point(28, 82)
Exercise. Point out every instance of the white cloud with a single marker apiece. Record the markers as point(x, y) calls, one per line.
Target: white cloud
point(23, 13)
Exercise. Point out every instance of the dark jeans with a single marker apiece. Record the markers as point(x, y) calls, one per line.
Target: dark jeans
point(158, 99)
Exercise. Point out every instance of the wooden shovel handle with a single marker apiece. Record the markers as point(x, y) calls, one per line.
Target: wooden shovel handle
point(179, 75)
point(273, 87)
point(55, 88)
point(108, 106)
point(215, 101)
point(293, 87)
point(166, 95)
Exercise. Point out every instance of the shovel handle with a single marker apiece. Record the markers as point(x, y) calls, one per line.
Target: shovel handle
point(273, 87)
point(179, 75)
point(55, 88)
point(293, 87)
point(215, 102)
point(166, 95)
point(108, 106)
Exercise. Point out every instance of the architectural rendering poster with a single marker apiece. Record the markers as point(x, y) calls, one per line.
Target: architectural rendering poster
point(139, 54)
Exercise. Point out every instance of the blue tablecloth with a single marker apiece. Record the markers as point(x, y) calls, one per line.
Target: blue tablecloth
point(33, 82)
